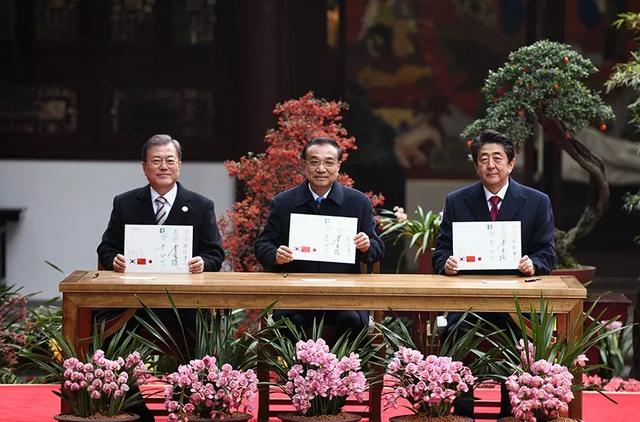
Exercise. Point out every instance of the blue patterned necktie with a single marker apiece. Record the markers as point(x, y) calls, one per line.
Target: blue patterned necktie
point(319, 201)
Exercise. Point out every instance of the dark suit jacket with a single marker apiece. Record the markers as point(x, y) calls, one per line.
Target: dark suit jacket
point(134, 207)
point(341, 202)
point(521, 203)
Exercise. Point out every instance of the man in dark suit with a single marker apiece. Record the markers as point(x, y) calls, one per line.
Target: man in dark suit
point(498, 197)
point(168, 200)
point(162, 201)
point(320, 194)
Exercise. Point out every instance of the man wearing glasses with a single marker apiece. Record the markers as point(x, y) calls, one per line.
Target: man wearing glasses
point(319, 194)
point(163, 201)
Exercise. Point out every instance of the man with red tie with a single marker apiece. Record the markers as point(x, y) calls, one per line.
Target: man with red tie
point(497, 197)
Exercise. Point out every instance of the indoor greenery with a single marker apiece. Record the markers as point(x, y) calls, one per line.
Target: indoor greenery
point(218, 333)
point(536, 338)
point(628, 75)
point(13, 312)
point(421, 232)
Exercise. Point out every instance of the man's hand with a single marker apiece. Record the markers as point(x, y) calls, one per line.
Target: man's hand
point(284, 255)
point(119, 263)
point(196, 265)
point(451, 266)
point(362, 242)
point(525, 266)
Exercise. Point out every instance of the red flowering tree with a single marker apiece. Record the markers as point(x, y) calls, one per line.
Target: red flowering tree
point(264, 175)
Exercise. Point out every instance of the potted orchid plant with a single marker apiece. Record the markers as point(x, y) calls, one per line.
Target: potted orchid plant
point(544, 367)
point(97, 387)
point(429, 384)
point(218, 381)
point(540, 391)
point(100, 384)
point(202, 391)
point(318, 379)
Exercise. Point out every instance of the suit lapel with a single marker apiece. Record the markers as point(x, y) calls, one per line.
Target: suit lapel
point(181, 208)
point(336, 194)
point(514, 200)
point(303, 195)
point(143, 206)
point(477, 203)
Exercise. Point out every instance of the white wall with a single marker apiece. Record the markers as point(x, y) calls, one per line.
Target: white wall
point(66, 208)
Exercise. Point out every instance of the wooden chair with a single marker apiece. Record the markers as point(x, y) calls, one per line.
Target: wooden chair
point(271, 406)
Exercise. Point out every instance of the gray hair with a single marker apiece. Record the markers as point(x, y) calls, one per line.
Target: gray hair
point(157, 140)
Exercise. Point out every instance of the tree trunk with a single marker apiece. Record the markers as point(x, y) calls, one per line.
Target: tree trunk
point(598, 199)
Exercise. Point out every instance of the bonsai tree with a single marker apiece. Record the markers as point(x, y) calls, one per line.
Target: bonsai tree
point(628, 75)
point(543, 83)
point(264, 175)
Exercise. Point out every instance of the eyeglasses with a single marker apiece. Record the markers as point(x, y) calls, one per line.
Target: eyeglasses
point(169, 162)
point(328, 164)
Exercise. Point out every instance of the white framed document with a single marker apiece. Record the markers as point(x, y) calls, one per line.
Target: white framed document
point(323, 238)
point(487, 245)
point(158, 249)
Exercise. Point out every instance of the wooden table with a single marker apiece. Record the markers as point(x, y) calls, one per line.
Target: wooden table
point(400, 292)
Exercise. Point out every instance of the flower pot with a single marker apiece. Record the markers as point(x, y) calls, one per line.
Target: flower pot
point(584, 274)
point(340, 417)
point(425, 418)
point(236, 417)
point(122, 417)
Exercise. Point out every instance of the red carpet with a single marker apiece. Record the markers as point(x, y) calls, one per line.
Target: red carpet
point(36, 403)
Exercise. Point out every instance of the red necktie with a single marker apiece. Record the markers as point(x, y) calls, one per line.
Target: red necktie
point(495, 200)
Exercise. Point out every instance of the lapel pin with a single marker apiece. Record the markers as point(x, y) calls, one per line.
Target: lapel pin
point(185, 209)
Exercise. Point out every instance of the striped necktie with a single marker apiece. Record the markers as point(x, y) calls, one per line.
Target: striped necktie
point(161, 213)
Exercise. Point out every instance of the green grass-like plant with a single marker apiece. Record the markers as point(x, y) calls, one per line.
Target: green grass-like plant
point(216, 333)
